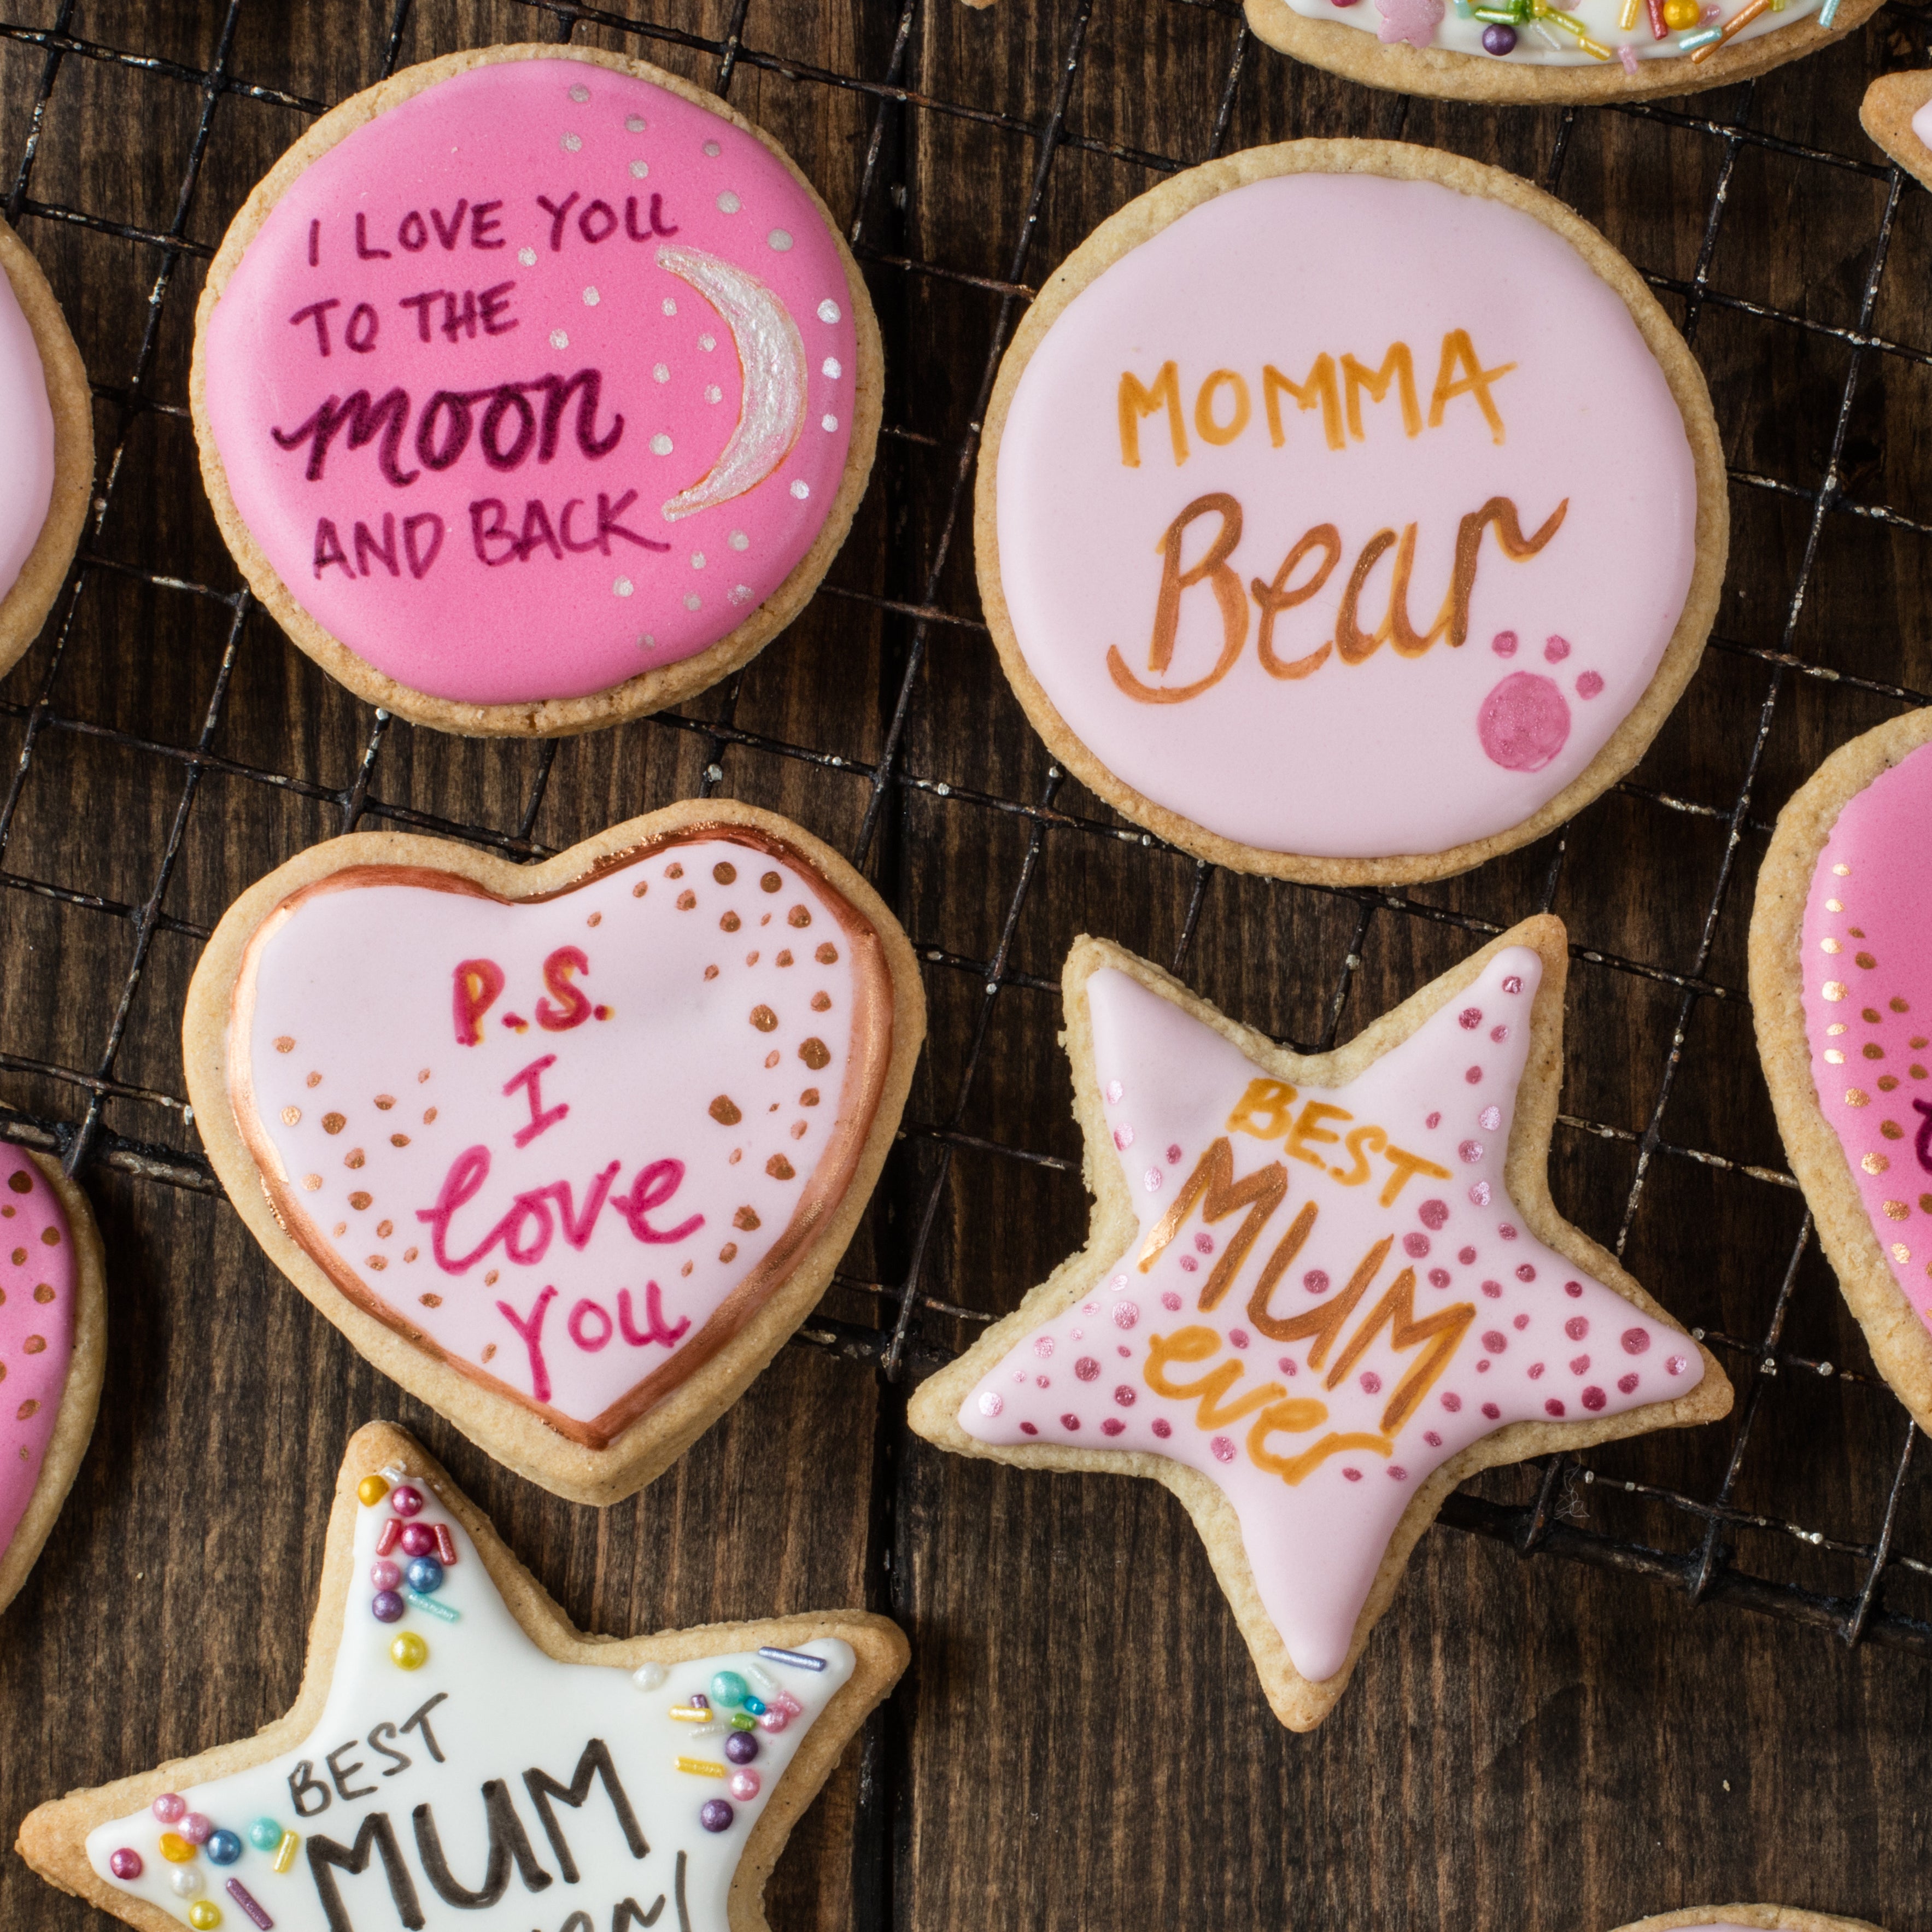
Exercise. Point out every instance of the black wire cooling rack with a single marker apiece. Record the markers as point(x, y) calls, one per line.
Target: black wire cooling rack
point(1695, 1549)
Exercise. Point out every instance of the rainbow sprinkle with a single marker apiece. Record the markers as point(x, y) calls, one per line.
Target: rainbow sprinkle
point(799, 1659)
point(285, 1853)
point(239, 1893)
point(702, 1767)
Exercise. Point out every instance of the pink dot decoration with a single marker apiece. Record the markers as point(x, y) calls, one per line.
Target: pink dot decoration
point(1504, 643)
point(1555, 649)
point(1525, 721)
point(1590, 685)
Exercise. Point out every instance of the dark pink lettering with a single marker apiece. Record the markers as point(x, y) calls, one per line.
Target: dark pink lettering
point(420, 304)
point(579, 1315)
point(608, 527)
point(363, 251)
point(384, 552)
point(563, 530)
point(411, 234)
point(436, 454)
point(654, 1185)
point(654, 1330)
point(328, 549)
point(420, 559)
point(498, 531)
point(489, 436)
point(453, 234)
point(483, 223)
point(459, 320)
point(556, 217)
point(540, 1116)
point(364, 421)
point(537, 530)
point(491, 304)
point(315, 244)
point(316, 312)
point(656, 224)
point(597, 223)
point(364, 323)
point(530, 1328)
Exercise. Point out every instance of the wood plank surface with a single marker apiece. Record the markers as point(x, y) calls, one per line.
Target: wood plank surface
point(1531, 1743)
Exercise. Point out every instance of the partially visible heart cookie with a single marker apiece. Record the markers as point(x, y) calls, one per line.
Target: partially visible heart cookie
point(568, 1150)
point(1841, 988)
point(1896, 113)
point(1749, 1918)
point(53, 1346)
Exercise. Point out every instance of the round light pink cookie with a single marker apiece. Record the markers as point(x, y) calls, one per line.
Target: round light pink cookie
point(1591, 50)
point(1302, 541)
point(1319, 1292)
point(53, 1348)
point(1842, 995)
point(568, 1150)
point(1748, 1918)
point(1896, 113)
point(535, 389)
point(46, 427)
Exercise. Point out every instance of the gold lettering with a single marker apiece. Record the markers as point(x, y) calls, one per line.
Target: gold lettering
point(1349, 639)
point(1319, 387)
point(1291, 1469)
point(1196, 1345)
point(1263, 1110)
point(1136, 402)
point(1212, 431)
point(1290, 1245)
point(1327, 1319)
point(1213, 1184)
point(1226, 584)
point(1499, 513)
point(1276, 598)
point(1398, 366)
point(1405, 1164)
point(1359, 1138)
point(1458, 351)
point(1308, 1129)
point(1443, 1331)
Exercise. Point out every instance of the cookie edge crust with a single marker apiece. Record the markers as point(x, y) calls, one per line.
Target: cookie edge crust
point(1146, 216)
point(1442, 74)
point(53, 1837)
point(1300, 1702)
point(505, 1429)
point(1900, 1344)
point(24, 609)
point(80, 1394)
point(649, 691)
point(1886, 115)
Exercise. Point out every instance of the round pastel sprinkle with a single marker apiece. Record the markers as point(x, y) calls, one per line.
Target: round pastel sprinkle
point(204, 1914)
point(264, 1835)
point(715, 1815)
point(371, 1490)
point(185, 1881)
point(384, 1574)
point(175, 1848)
point(409, 1652)
point(407, 1500)
point(741, 1748)
point(426, 1575)
point(223, 1848)
point(744, 1784)
point(125, 1864)
point(197, 1828)
point(729, 1689)
point(386, 1607)
point(417, 1539)
point(774, 1720)
point(169, 1808)
point(649, 1676)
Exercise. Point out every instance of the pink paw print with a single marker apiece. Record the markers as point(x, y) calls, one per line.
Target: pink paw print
point(1414, 21)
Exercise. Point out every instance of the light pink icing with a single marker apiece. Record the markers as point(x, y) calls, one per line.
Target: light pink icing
point(585, 1091)
point(1921, 124)
point(722, 336)
point(1868, 1010)
point(27, 436)
point(37, 1311)
point(1391, 755)
point(1542, 1342)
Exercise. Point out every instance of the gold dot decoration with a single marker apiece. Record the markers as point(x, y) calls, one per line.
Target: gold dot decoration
point(1841, 872)
point(770, 883)
point(1891, 1130)
point(640, 888)
point(1833, 989)
point(731, 921)
point(799, 915)
point(764, 1019)
point(286, 1043)
point(311, 1181)
point(686, 901)
point(745, 1218)
point(827, 955)
point(1855, 1097)
point(1875, 1163)
point(815, 1054)
point(354, 1157)
point(1833, 1057)
point(359, 1200)
point(784, 958)
point(291, 1116)
point(1829, 946)
point(1896, 1211)
point(725, 872)
point(1899, 1006)
point(333, 1123)
point(1900, 1252)
point(809, 1098)
point(1864, 959)
point(725, 1111)
point(779, 1169)
point(385, 1102)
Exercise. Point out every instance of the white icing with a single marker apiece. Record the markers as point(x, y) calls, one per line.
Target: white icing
point(27, 437)
point(1542, 46)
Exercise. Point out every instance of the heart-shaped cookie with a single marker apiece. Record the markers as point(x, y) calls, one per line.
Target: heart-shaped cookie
point(1841, 988)
point(568, 1150)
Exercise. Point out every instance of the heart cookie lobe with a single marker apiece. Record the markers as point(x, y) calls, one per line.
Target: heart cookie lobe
point(38, 1304)
point(569, 1144)
point(1867, 998)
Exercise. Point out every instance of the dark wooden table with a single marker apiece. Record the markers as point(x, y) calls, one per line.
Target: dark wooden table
point(1531, 1742)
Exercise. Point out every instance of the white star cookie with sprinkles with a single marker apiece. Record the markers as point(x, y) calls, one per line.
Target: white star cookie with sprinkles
point(1318, 1291)
point(461, 1755)
point(1842, 996)
point(569, 1149)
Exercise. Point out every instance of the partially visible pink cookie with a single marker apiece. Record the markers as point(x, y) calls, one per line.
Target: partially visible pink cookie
point(47, 429)
point(53, 1347)
point(1896, 113)
point(535, 389)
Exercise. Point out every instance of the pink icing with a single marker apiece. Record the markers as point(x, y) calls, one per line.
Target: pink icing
point(36, 1310)
point(562, 1206)
point(1386, 754)
point(1412, 1153)
point(1867, 936)
point(27, 435)
point(690, 272)
point(1524, 722)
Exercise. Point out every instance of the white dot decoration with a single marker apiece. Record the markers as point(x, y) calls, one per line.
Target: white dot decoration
point(670, 306)
point(780, 239)
point(634, 123)
point(590, 299)
point(692, 601)
point(728, 203)
point(660, 444)
point(739, 540)
point(648, 1676)
point(648, 642)
point(698, 559)
point(801, 490)
point(828, 424)
point(713, 394)
point(579, 94)
point(623, 586)
point(641, 170)
point(741, 593)
point(712, 148)
point(558, 340)
point(660, 373)
point(707, 342)
point(831, 367)
point(528, 256)
point(571, 142)
point(828, 310)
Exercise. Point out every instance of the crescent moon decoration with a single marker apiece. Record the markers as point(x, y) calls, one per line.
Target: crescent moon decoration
point(771, 411)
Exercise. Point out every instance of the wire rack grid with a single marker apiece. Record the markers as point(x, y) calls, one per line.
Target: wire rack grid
point(914, 1318)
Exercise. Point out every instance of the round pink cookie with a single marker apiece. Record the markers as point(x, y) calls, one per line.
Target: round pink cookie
point(1344, 524)
point(27, 434)
point(529, 378)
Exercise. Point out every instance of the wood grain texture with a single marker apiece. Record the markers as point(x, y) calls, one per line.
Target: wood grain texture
point(1080, 1742)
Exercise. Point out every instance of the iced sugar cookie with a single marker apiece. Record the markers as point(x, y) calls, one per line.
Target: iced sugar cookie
point(53, 1347)
point(461, 1755)
point(1319, 1292)
point(535, 389)
point(46, 427)
point(1896, 113)
point(1348, 511)
point(1842, 994)
point(1749, 1918)
point(568, 1150)
point(1529, 50)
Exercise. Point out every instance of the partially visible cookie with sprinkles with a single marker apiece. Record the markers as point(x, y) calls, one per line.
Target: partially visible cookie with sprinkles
point(53, 1346)
point(1841, 989)
point(46, 428)
point(1896, 113)
point(535, 389)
